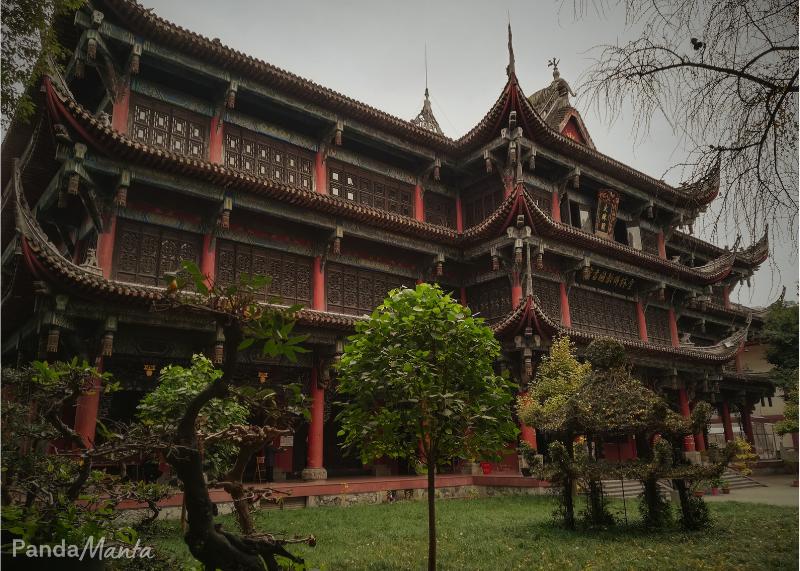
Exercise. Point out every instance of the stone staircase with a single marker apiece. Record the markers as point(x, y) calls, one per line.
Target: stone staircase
point(737, 480)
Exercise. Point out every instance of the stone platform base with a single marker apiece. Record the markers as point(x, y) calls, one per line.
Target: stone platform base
point(312, 474)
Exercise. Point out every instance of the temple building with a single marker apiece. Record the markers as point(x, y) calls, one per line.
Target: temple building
point(155, 145)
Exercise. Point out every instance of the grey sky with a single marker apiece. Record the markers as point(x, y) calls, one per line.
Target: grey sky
point(373, 51)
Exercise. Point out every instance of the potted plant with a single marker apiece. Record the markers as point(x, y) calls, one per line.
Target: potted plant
point(726, 487)
point(716, 484)
point(697, 490)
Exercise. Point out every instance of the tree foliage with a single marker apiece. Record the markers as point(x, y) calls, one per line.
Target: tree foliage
point(28, 40)
point(724, 73)
point(419, 375)
point(165, 405)
point(780, 333)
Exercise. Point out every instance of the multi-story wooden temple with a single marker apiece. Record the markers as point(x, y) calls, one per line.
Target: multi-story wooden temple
point(155, 145)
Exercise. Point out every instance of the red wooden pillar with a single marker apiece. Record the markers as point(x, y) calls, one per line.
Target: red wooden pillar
point(699, 440)
point(463, 295)
point(566, 319)
point(516, 290)
point(738, 362)
point(683, 401)
point(633, 453)
point(726, 296)
point(555, 207)
point(216, 140)
point(528, 434)
point(319, 173)
point(662, 245)
point(459, 215)
point(727, 426)
point(208, 258)
point(86, 410)
point(419, 207)
point(673, 328)
point(105, 244)
point(318, 285)
point(314, 469)
point(747, 424)
point(121, 109)
point(641, 322)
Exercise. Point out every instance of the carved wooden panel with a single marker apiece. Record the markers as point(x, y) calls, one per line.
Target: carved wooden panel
point(143, 253)
point(290, 273)
point(649, 242)
point(490, 300)
point(356, 291)
point(657, 320)
point(168, 127)
point(440, 210)
point(603, 314)
point(549, 294)
point(481, 200)
point(358, 185)
point(268, 158)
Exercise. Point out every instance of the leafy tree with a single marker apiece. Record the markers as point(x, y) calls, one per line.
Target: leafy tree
point(28, 41)
point(780, 333)
point(725, 74)
point(552, 403)
point(418, 375)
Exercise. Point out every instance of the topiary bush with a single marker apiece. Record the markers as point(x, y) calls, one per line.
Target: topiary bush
point(606, 353)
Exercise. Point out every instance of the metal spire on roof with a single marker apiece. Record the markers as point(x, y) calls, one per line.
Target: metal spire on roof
point(425, 118)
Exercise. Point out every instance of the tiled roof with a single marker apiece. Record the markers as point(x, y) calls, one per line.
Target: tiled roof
point(529, 313)
point(145, 23)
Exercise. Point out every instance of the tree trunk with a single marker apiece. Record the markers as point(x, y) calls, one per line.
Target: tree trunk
point(431, 516)
point(569, 483)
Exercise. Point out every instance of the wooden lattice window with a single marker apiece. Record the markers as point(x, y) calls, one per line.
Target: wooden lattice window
point(649, 242)
point(356, 291)
point(440, 210)
point(290, 274)
point(268, 158)
point(481, 200)
point(549, 294)
point(657, 320)
point(351, 183)
point(170, 128)
point(603, 314)
point(143, 253)
point(490, 300)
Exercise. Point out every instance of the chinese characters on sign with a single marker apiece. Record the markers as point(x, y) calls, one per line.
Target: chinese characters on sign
point(607, 205)
point(600, 277)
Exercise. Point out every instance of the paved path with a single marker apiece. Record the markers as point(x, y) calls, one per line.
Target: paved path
point(778, 492)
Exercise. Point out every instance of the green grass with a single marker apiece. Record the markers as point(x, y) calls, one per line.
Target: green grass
point(517, 533)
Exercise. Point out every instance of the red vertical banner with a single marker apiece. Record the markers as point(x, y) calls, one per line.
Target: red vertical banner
point(607, 206)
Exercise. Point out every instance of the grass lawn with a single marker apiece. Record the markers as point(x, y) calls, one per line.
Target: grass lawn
point(517, 533)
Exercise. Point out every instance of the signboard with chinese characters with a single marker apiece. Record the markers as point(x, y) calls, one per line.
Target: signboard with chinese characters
point(608, 279)
point(607, 205)
point(287, 441)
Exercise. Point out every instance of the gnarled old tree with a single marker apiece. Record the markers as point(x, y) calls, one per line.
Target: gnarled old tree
point(242, 321)
point(724, 73)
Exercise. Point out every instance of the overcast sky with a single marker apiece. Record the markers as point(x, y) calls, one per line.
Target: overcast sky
point(374, 50)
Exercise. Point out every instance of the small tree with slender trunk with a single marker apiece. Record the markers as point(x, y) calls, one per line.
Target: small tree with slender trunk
point(419, 376)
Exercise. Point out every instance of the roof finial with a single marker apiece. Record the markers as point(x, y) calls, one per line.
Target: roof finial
point(510, 68)
point(554, 64)
point(425, 118)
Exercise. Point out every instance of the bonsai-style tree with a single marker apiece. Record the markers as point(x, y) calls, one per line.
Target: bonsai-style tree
point(51, 490)
point(419, 376)
point(243, 320)
point(552, 404)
